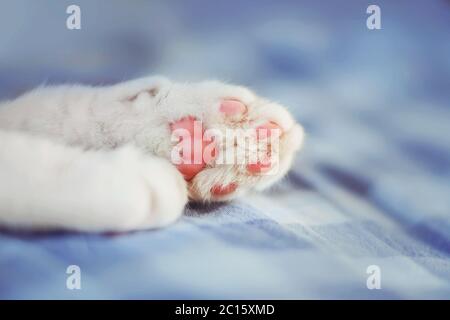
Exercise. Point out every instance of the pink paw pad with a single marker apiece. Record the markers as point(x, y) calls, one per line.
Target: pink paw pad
point(232, 107)
point(259, 167)
point(268, 129)
point(192, 134)
point(221, 190)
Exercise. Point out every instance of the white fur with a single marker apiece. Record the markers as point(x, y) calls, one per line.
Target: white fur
point(94, 158)
point(45, 185)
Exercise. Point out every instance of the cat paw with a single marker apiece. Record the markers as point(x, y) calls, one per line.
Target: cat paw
point(150, 192)
point(227, 141)
point(167, 193)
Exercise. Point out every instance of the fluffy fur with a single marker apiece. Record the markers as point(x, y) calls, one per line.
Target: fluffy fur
point(98, 158)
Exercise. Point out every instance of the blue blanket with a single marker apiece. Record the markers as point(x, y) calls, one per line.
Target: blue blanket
point(369, 190)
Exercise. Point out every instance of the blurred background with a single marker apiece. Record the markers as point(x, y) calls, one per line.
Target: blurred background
point(375, 103)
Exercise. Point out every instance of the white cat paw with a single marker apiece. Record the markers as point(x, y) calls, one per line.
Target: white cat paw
point(145, 192)
point(244, 141)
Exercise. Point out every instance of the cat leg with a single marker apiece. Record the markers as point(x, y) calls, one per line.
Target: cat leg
point(131, 89)
point(45, 185)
